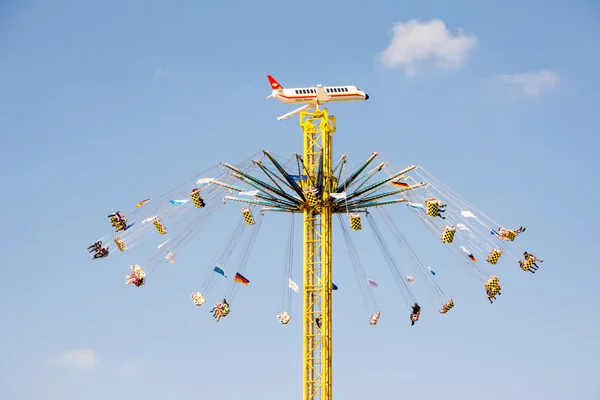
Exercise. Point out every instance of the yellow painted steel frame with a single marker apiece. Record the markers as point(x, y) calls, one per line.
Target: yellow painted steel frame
point(318, 128)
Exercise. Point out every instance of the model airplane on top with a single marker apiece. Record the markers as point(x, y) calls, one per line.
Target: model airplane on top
point(313, 97)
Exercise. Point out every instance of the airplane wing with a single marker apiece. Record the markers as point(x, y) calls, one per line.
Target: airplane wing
point(295, 112)
point(322, 96)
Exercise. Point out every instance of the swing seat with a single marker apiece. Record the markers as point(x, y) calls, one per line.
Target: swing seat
point(432, 207)
point(196, 199)
point(355, 222)
point(415, 317)
point(138, 271)
point(507, 235)
point(159, 227)
point(493, 292)
point(120, 243)
point(526, 266)
point(447, 307)
point(494, 256)
point(248, 216)
point(311, 196)
point(375, 318)
point(284, 317)
point(448, 234)
point(198, 299)
point(492, 283)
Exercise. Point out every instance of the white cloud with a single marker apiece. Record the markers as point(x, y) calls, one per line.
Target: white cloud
point(82, 358)
point(416, 41)
point(531, 83)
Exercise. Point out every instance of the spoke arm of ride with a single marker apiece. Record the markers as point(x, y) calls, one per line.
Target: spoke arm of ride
point(355, 175)
point(286, 176)
point(265, 196)
point(273, 176)
point(280, 209)
point(381, 195)
point(250, 201)
point(339, 165)
point(370, 198)
point(378, 184)
point(268, 174)
point(364, 179)
point(264, 185)
point(373, 204)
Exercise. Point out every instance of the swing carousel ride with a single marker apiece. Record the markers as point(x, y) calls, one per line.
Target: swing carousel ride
point(310, 184)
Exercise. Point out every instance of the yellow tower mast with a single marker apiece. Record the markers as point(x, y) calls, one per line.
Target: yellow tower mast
point(318, 128)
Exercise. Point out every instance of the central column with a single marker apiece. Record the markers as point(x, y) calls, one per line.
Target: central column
point(318, 128)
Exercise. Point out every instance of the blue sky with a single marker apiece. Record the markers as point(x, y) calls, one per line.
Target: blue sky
point(106, 103)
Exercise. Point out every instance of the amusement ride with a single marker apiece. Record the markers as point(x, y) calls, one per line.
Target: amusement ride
point(312, 185)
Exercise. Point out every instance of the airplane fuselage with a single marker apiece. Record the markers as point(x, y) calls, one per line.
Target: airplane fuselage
point(309, 95)
point(313, 97)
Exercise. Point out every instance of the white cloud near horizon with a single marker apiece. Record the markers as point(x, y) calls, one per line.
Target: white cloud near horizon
point(79, 358)
point(415, 41)
point(531, 83)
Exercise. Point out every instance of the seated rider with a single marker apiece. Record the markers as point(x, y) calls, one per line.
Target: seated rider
point(95, 247)
point(441, 210)
point(196, 191)
point(101, 253)
point(502, 232)
point(117, 216)
point(490, 292)
point(416, 312)
point(137, 281)
point(221, 310)
point(534, 267)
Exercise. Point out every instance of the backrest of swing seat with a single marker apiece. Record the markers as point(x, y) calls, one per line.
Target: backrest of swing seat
point(492, 282)
point(248, 218)
point(510, 235)
point(432, 207)
point(159, 227)
point(494, 256)
point(355, 221)
point(196, 199)
point(310, 195)
point(448, 234)
point(529, 262)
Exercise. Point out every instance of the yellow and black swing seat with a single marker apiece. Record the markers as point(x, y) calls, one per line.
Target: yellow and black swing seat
point(449, 305)
point(197, 199)
point(355, 222)
point(529, 261)
point(507, 235)
point(432, 207)
point(494, 256)
point(492, 286)
point(448, 234)
point(311, 196)
point(159, 227)
point(248, 216)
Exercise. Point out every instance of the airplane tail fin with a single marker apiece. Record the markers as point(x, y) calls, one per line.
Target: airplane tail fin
point(274, 84)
